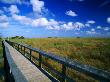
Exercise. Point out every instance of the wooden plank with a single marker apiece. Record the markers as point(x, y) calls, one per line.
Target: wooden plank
point(22, 69)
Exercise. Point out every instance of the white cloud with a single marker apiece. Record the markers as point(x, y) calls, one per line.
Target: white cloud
point(13, 9)
point(68, 26)
point(103, 28)
point(79, 25)
point(10, 1)
point(3, 18)
point(72, 26)
point(53, 22)
point(22, 19)
point(108, 20)
point(71, 13)
point(40, 22)
point(15, 1)
point(4, 24)
point(48, 24)
point(90, 22)
point(92, 31)
point(99, 27)
point(106, 28)
point(1, 12)
point(37, 5)
point(4, 21)
point(54, 27)
point(87, 25)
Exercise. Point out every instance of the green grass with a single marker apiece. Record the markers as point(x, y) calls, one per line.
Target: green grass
point(91, 51)
point(1, 64)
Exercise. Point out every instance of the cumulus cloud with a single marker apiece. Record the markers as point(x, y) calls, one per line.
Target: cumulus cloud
point(79, 24)
point(3, 18)
point(68, 26)
point(4, 21)
point(4, 24)
point(91, 31)
point(90, 22)
point(13, 9)
point(15, 1)
point(1, 12)
point(106, 28)
point(22, 19)
point(108, 20)
point(40, 22)
point(71, 13)
point(48, 23)
point(10, 1)
point(37, 5)
point(72, 26)
point(87, 25)
point(99, 27)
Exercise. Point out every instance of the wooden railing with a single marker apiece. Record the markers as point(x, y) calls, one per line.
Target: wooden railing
point(8, 75)
point(95, 73)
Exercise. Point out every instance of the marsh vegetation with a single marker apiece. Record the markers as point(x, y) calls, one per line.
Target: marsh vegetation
point(90, 51)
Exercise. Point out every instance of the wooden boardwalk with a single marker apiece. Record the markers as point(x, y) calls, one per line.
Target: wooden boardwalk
point(22, 69)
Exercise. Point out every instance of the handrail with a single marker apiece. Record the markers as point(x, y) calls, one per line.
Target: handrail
point(97, 74)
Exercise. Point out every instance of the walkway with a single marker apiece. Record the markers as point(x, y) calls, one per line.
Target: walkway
point(22, 69)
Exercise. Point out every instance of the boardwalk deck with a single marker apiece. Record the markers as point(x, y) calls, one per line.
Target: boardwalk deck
point(22, 69)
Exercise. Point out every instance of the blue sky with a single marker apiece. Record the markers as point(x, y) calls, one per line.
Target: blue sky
point(55, 18)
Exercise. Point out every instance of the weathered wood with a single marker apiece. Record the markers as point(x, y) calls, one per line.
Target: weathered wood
point(88, 70)
point(40, 60)
point(22, 69)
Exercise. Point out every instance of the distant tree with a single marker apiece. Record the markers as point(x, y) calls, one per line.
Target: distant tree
point(17, 37)
point(77, 37)
point(49, 37)
point(21, 37)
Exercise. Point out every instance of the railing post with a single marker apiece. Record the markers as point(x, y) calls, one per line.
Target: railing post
point(24, 50)
point(40, 60)
point(12, 44)
point(30, 53)
point(63, 73)
point(18, 47)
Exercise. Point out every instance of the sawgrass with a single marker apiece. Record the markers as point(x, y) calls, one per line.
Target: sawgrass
point(1, 64)
point(91, 51)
